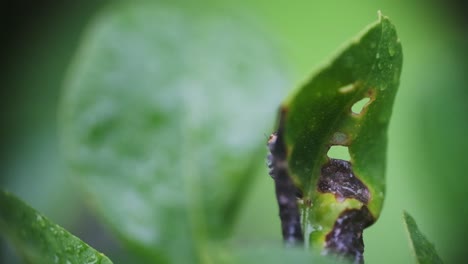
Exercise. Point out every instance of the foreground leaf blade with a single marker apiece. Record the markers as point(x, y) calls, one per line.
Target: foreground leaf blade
point(325, 114)
point(424, 250)
point(38, 239)
point(163, 117)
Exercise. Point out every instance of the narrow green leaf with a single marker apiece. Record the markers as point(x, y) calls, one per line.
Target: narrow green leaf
point(424, 250)
point(38, 239)
point(337, 141)
point(163, 116)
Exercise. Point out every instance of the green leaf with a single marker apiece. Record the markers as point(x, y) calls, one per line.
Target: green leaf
point(163, 119)
point(38, 239)
point(322, 116)
point(424, 250)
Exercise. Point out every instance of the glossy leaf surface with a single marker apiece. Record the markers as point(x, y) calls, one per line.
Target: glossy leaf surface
point(323, 115)
point(39, 240)
point(164, 116)
point(424, 250)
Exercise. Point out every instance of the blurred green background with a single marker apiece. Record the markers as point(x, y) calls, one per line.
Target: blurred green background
point(426, 173)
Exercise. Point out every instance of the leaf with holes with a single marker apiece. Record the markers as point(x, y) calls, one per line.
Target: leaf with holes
point(38, 239)
point(424, 250)
point(157, 120)
point(345, 107)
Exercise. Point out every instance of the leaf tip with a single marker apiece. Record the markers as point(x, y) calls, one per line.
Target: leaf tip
point(406, 215)
point(381, 16)
point(423, 250)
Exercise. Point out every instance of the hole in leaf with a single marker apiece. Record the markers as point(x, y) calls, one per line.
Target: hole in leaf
point(339, 152)
point(359, 105)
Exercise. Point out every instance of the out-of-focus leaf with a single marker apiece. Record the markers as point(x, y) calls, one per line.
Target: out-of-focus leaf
point(323, 114)
point(271, 254)
point(38, 239)
point(424, 250)
point(164, 116)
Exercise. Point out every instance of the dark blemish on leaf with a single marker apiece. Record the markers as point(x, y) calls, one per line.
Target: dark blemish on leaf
point(299, 194)
point(371, 94)
point(337, 177)
point(286, 191)
point(340, 138)
point(345, 240)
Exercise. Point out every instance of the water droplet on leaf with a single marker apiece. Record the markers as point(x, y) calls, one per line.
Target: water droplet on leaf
point(40, 220)
point(391, 49)
point(93, 260)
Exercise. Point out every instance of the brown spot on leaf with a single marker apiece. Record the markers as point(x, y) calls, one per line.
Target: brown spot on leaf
point(337, 177)
point(371, 94)
point(345, 240)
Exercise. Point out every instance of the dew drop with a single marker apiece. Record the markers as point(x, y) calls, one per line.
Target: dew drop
point(40, 220)
point(377, 55)
point(391, 50)
point(53, 230)
point(92, 260)
point(79, 248)
point(68, 249)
